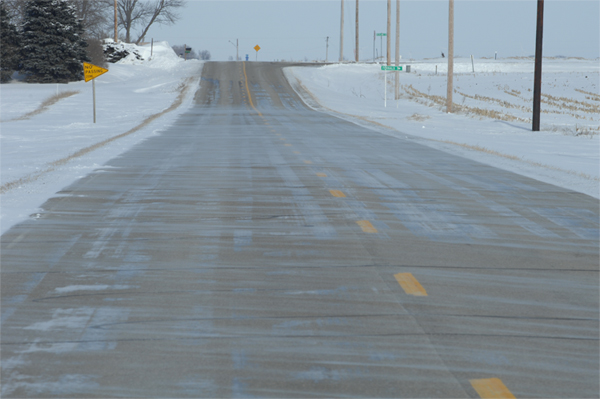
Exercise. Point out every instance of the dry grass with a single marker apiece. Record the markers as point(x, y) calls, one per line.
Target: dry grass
point(47, 103)
point(587, 130)
point(471, 111)
point(570, 104)
point(590, 95)
point(418, 117)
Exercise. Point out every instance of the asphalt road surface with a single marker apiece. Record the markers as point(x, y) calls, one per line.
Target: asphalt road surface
point(258, 248)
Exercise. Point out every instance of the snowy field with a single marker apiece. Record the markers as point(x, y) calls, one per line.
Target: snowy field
point(48, 138)
point(493, 110)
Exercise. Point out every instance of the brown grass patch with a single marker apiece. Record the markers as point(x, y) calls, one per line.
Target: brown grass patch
point(53, 165)
point(47, 103)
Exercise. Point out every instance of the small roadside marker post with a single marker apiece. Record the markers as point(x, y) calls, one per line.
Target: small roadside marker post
point(387, 68)
point(91, 72)
point(257, 47)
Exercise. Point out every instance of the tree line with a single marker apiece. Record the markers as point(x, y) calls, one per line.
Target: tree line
point(47, 40)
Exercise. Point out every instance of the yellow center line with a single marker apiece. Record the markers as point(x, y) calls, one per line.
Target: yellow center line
point(248, 90)
point(410, 284)
point(491, 388)
point(308, 162)
point(337, 193)
point(320, 174)
point(366, 226)
point(287, 145)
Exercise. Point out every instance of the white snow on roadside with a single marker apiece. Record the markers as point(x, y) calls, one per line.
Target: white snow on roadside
point(565, 152)
point(97, 287)
point(129, 93)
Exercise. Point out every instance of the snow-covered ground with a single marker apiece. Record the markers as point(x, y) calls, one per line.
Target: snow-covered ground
point(492, 122)
point(44, 150)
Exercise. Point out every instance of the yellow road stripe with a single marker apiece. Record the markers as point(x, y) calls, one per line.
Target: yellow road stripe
point(296, 152)
point(337, 193)
point(308, 162)
point(287, 145)
point(491, 388)
point(247, 89)
point(410, 285)
point(366, 226)
point(320, 174)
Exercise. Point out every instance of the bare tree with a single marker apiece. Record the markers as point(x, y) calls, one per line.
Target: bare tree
point(134, 13)
point(131, 13)
point(160, 12)
point(94, 15)
point(205, 55)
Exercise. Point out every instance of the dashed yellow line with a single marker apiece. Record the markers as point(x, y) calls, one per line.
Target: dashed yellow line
point(308, 162)
point(491, 388)
point(410, 284)
point(366, 226)
point(337, 193)
point(287, 145)
point(321, 174)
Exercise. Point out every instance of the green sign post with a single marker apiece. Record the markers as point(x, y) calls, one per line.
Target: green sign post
point(388, 68)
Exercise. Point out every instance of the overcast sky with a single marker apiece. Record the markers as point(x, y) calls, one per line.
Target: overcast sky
point(295, 29)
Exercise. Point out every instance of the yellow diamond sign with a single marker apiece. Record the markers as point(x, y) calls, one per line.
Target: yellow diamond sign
point(91, 71)
point(257, 47)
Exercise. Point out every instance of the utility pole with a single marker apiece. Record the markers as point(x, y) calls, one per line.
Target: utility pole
point(116, 28)
point(450, 56)
point(389, 31)
point(374, 35)
point(397, 96)
point(327, 49)
point(237, 49)
point(356, 55)
point(342, 34)
point(537, 79)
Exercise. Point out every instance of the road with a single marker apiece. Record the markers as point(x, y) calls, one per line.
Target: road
point(260, 248)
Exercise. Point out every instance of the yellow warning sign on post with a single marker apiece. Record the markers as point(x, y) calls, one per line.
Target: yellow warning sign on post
point(91, 71)
point(257, 47)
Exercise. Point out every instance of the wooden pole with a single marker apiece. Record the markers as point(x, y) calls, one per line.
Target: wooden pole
point(94, 94)
point(116, 24)
point(342, 34)
point(450, 57)
point(389, 32)
point(397, 94)
point(537, 79)
point(356, 55)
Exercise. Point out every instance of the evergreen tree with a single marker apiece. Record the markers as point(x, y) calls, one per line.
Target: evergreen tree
point(9, 46)
point(53, 47)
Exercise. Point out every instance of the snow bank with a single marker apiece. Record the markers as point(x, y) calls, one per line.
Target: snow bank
point(32, 144)
point(492, 122)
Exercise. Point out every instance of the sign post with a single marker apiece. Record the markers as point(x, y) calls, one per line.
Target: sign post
point(91, 72)
point(387, 68)
point(381, 35)
point(257, 47)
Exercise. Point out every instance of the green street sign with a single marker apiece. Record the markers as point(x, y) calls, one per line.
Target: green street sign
point(382, 34)
point(391, 68)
